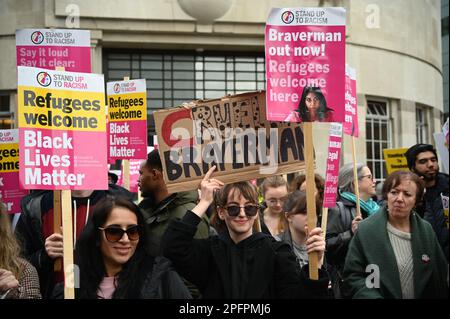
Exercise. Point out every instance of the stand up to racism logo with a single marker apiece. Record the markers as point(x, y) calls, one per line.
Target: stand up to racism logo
point(44, 79)
point(37, 37)
point(287, 17)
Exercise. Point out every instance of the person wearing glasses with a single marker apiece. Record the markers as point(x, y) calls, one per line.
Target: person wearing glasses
point(343, 220)
point(312, 107)
point(274, 191)
point(395, 253)
point(18, 278)
point(113, 260)
point(239, 263)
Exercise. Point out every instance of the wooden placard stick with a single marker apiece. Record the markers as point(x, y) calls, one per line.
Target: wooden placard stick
point(125, 162)
point(310, 196)
point(57, 223)
point(69, 291)
point(324, 221)
point(355, 179)
point(65, 210)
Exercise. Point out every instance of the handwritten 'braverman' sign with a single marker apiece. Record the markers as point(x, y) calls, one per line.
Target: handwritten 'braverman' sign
point(231, 133)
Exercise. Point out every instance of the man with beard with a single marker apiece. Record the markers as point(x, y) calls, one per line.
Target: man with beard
point(422, 160)
point(159, 206)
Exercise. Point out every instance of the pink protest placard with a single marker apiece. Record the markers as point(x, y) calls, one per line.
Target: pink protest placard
point(62, 130)
point(134, 175)
point(51, 48)
point(127, 119)
point(351, 106)
point(10, 190)
point(305, 64)
point(332, 172)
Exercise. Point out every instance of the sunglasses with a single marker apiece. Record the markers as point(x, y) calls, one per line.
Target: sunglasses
point(114, 233)
point(250, 210)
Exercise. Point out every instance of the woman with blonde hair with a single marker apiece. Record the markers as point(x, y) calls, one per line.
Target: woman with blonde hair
point(274, 190)
point(18, 278)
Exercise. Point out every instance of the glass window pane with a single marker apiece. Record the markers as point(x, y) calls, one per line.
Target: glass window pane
point(183, 75)
point(384, 132)
point(151, 65)
point(377, 169)
point(245, 76)
point(215, 66)
point(246, 86)
point(245, 67)
point(376, 131)
point(369, 150)
point(214, 94)
point(214, 75)
point(214, 85)
point(184, 95)
point(151, 75)
point(183, 85)
point(119, 64)
point(377, 150)
point(368, 131)
point(183, 65)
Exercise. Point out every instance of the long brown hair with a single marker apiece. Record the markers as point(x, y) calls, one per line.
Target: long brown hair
point(9, 248)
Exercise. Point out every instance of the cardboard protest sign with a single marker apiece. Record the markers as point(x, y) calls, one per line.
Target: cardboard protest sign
point(305, 64)
point(51, 48)
point(231, 133)
point(395, 160)
point(351, 106)
point(62, 130)
point(127, 116)
point(10, 191)
point(333, 160)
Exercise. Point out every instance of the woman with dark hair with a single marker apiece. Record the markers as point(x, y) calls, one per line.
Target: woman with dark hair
point(18, 278)
point(239, 263)
point(296, 221)
point(113, 261)
point(312, 107)
point(395, 253)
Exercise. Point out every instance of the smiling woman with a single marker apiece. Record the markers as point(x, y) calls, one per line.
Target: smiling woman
point(239, 263)
point(112, 256)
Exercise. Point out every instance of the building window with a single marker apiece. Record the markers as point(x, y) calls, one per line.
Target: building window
point(421, 126)
point(5, 113)
point(174, 78)
point(378, 137)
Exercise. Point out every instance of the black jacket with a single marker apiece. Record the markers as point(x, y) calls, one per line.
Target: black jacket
point(257, 267)
point(160, 282)
point(29, 231)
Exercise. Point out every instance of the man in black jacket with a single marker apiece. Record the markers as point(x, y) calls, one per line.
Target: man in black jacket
point(422, 159)
point(40, 245)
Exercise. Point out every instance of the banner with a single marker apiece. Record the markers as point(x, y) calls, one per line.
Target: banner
point(305, 64)
point(10, 191)
point(51, 48)
point(351, 106)
point(127, 119)
point(395, 159)
point(231, 133)
point(62, 130)
point(333, 161)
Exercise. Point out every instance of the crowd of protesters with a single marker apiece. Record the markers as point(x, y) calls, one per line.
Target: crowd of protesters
point(205, 243)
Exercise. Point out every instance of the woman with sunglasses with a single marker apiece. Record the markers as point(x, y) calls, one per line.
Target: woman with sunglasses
point(113, 261)
point(239, 263)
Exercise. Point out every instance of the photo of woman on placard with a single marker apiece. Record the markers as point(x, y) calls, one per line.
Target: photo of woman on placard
point(312, 107)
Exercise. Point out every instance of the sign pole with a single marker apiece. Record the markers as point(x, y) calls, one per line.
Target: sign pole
point(310, 197)
point(69, 291)
point(57, 222)
point(355, 179)
point(324, 221)
point(125, 162)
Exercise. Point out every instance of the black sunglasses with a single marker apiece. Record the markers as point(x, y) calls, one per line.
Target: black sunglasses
point(114, 233)
point(250, 210)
